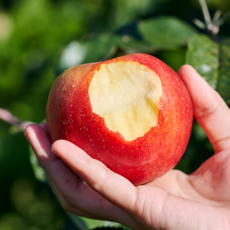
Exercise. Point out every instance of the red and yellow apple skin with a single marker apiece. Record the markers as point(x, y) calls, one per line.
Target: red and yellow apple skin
point(70, 117)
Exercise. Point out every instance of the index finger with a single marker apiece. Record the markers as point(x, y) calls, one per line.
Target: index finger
point(110, 185)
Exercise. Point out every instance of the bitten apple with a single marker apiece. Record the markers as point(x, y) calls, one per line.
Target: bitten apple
point(133, 113)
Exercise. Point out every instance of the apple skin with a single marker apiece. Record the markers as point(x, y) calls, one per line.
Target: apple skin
point(69, 116)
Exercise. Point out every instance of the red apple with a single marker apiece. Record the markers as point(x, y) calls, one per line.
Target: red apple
point(133, 113)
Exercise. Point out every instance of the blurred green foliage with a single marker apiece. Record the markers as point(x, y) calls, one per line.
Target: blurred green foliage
point(41, 38)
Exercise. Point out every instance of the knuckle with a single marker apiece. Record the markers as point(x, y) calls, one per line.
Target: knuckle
point(100, 184)
point(87, 161)
point(205, 110)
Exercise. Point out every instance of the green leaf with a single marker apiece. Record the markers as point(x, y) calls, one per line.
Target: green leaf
point(131, 45)
point(199, 133)
point(202, 54)
point(223, 84)
point(39, 173)
point(78, 221)
point(166, 32)
point(83, 223)
point(99, 48)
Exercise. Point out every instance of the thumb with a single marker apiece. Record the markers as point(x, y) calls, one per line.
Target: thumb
point(210, 110)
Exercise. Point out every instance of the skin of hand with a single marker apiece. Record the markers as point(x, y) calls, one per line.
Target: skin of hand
point(177, 201)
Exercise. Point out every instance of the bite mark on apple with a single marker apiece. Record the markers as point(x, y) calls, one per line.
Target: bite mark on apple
point(126, 95)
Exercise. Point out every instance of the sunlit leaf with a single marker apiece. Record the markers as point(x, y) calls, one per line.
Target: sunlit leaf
point(202, 54)
point(72, 55)
point(223, 84)
point(166, 32)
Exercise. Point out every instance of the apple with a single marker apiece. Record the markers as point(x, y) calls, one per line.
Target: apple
point(133, 113)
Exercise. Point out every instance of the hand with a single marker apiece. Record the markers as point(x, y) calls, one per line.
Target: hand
point(177, 201)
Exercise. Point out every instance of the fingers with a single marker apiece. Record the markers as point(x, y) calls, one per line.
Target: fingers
point(44, 126)
point(55, 169)
point(74, 194)
point(113, 187)
point(69, 207)
point(210, 110)
point(37, 136)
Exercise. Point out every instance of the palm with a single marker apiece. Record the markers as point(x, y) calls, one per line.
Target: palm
point(209, 184)
point(175, 201)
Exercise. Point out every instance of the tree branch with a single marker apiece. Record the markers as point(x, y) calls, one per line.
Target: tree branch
point(223, 19)
point(12, 120)
point(206, 14)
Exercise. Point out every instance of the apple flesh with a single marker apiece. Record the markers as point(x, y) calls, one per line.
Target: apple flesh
point(133, 113)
